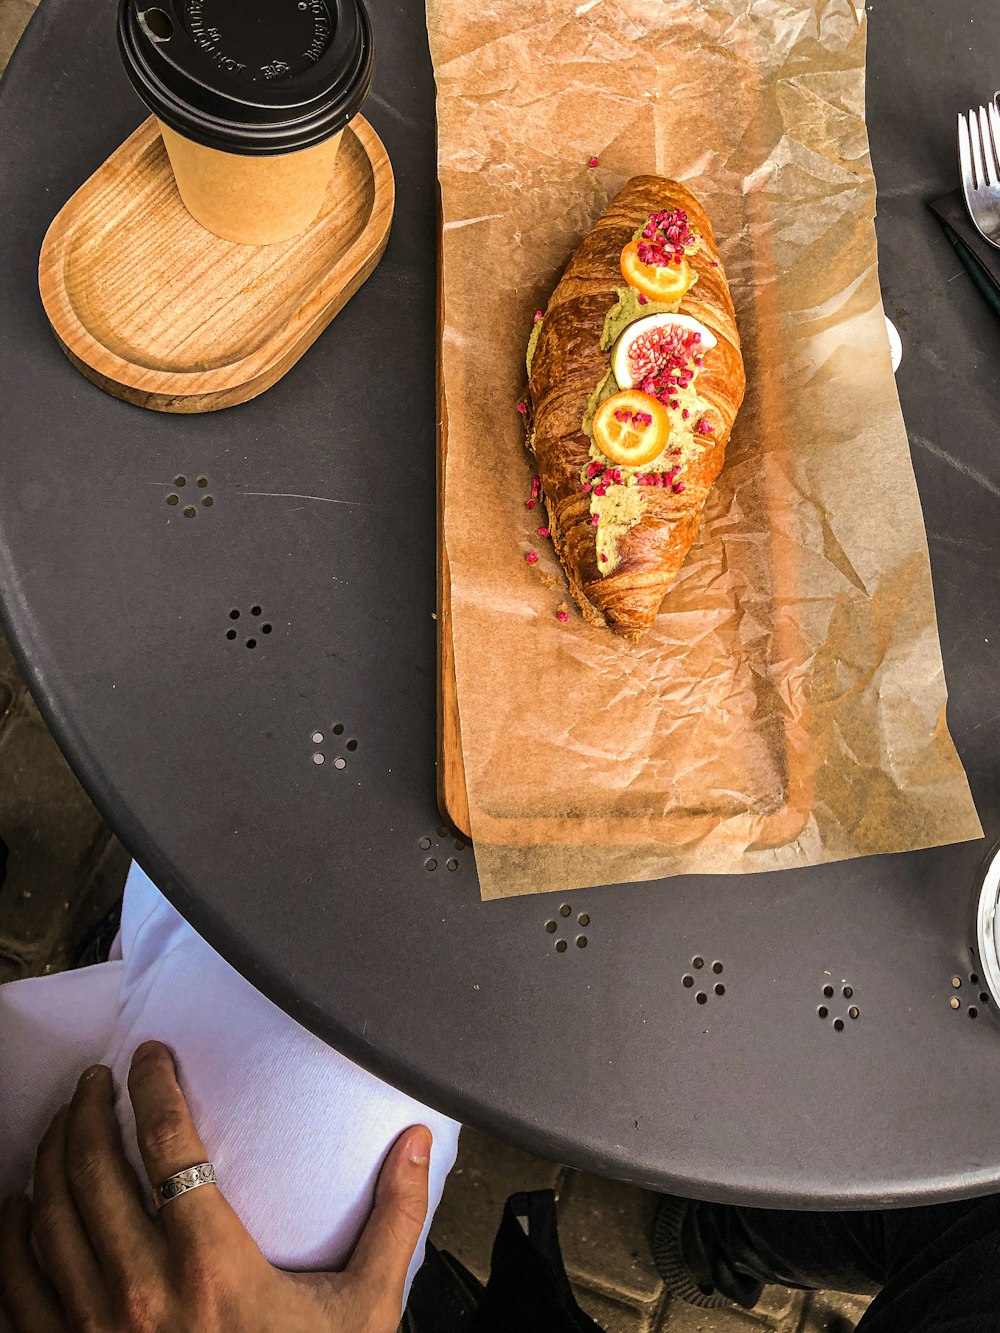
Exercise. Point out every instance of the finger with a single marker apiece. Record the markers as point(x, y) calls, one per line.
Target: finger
point(27, 1297)
point(65, 1252)
point(168, 1141)
point(104, 1186)
point(382, 1255)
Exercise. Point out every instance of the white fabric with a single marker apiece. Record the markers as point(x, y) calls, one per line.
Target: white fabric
point(296, 1131)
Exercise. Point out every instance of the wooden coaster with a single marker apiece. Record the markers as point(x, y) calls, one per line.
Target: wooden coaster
point(152, 308)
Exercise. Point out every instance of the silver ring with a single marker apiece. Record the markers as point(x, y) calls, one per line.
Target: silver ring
point(182, 1181)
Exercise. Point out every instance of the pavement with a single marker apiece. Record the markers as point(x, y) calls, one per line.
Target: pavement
point(58, 909)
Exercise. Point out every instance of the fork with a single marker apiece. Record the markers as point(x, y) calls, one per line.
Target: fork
point(979, 156)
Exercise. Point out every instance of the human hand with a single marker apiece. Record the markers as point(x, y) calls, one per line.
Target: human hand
point(104, 1265)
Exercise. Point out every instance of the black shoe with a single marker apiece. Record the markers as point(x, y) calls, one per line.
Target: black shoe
point(668, 1256)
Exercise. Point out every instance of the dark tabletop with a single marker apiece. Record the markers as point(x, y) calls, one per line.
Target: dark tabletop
point(310, 878)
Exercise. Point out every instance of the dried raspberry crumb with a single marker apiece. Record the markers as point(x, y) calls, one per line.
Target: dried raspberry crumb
point(715, 263)
point(678, 487)
point(522, 409)
point(622, 415)
point(642, 299)
point(704, 427)
point(562, 616)
point(685, 414)
point(532, 557)
point(543, 532)
point(642, 419)
point(603, 558)
point(595, 520)
point(538, 317)
point(600, 490)
point(529, 504)
point(536, 486)
point(594, 162)
point(586, 488)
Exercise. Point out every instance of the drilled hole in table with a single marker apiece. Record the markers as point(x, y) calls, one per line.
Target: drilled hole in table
point(848, 992)
point(425, 844)
point(351, 745)
point(265, 629)
point(701, 997)
point(180, 481)
point(157, 23)
point(697, 962)
point(230, 634)
point(561, 946)
point(983, 998)
point(854, 1011)
point(828, 992)
point(717, 967)
point(173, 499)
point(581, 941)
point(973, 978)
point(319, 758)
point(452, 864)
point(251, 643)
point(430, 863)
point(584, 919)
point(719, 988)
point(207, 501)
point(688, 981)
point(234, 615)
point(255, 610)
point(202, 482)
point(317, 739)
point(189, 511)
point(340, 762)
point(823, 1011)
point(338, 729)
point(838, 1025)
point(565, 909)
point(459, 845)
point(442, 830)
point(973, 1011)
point(551, 927)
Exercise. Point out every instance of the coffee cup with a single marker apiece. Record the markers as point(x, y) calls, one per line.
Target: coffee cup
point(252, 97)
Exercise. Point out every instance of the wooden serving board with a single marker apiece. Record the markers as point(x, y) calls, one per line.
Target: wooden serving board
point(453, 798)
point(152, 308)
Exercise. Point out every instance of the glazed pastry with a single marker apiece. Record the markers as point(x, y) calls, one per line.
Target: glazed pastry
point(634, 381)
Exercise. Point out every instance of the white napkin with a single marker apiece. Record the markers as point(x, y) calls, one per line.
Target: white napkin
point(296, 1131)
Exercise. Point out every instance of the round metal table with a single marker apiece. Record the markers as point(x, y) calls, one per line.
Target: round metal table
point(310, 877)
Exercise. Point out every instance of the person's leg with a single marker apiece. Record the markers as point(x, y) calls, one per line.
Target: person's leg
point(923, 1262)
point(943, 1271)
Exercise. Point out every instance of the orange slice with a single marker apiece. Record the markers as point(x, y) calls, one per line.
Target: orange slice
point(631, 428)
point(657, 282)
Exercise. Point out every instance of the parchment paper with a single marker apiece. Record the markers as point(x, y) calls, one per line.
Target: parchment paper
point(788, 706)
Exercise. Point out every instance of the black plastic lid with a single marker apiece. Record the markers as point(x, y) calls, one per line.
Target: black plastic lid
point(256, 77)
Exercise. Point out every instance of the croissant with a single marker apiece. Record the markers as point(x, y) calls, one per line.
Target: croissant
point(626, 468)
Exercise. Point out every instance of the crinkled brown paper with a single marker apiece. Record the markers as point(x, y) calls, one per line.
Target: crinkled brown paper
point(788, 706)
